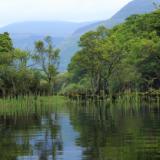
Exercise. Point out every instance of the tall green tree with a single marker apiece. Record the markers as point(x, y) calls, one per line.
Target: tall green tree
point(48, 59)
point(96, 59)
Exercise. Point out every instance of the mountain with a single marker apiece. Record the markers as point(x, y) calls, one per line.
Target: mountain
point(26, 41)
point(68, 48)
point(133, 7)
point(24, 34)
point(55, 29)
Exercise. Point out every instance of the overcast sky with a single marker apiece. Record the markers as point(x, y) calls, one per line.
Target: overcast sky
point(66, 10)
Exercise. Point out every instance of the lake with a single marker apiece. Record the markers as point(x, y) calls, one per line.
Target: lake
point(80, 132)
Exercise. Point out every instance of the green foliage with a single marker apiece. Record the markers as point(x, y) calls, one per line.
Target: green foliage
point(90, 60)
point(48, 59)
point(124, 58)
point(17, 77)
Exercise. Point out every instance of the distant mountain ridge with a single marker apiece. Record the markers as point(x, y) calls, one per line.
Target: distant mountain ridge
point(55, 28)
point(26, 41)
point(133, 7)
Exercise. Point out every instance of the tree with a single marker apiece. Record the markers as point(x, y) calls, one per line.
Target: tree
point(125, 57)
point(6, 58)
point(48, 59)
point(16, 78)
point(97, 59)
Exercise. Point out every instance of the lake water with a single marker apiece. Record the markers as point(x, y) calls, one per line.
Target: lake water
point(78, 132)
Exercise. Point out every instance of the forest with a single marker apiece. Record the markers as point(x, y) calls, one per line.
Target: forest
point(123, 59)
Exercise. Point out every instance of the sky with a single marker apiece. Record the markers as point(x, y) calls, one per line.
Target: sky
point(58, 10)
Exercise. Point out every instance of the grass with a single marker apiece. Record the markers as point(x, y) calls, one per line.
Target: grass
point(30, 104)
point(40, 104)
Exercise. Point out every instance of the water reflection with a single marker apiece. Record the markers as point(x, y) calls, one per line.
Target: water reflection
point(47, 137)
point(83, 133)
point(111, 133)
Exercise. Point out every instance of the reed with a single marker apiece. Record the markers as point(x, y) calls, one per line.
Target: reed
point(29, 104)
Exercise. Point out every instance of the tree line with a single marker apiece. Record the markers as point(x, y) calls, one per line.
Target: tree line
point(109, 61)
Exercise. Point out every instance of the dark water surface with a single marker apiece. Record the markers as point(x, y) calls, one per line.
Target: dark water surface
point(82, 133)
